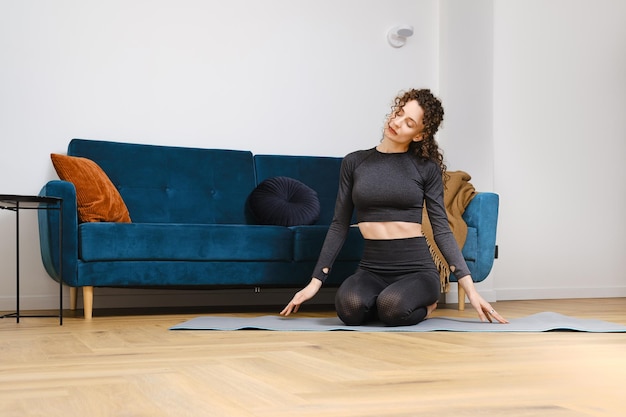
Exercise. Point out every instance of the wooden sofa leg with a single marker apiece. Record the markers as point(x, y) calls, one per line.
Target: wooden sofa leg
point(461, 299)
point(88, 302)
point(73, 298)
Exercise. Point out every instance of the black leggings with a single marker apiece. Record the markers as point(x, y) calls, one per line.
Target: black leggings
point(395, 281)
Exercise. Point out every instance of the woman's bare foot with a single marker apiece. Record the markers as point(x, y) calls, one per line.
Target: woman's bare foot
point(430, 309)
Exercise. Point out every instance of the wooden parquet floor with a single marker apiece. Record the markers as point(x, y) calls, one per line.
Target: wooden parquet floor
point(134, 366)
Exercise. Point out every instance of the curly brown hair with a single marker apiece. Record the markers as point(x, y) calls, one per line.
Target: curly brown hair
point(427, 148)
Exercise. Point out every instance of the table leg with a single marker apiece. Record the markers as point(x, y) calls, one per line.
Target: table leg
point(60, 263)
point(17, 261)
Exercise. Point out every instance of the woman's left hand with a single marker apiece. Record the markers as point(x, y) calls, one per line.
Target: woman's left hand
point(485, 311)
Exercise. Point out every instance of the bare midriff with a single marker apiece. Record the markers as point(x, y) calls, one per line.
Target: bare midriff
point(390, 230)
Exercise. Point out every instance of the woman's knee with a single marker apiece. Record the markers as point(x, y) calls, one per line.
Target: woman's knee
point(352, 308)
point(392, 310)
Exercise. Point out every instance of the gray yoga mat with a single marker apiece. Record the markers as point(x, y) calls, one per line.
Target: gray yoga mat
point(541, 322)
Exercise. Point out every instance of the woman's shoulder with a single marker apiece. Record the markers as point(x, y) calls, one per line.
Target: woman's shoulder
point(426, 167)
point(360, 154)
point(354, 159)
point(426, 163)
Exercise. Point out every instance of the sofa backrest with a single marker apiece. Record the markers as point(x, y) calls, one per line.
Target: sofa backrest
point(321, 173)
point(167, 184)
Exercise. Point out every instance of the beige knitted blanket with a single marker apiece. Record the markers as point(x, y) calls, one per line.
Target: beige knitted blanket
point(457, 194)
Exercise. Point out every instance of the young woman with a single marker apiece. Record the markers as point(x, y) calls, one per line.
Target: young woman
point(396, 281)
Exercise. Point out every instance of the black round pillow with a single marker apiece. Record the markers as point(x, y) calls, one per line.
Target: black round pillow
point(284, 201)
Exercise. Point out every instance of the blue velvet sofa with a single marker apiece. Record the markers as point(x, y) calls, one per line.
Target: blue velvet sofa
point(191, 226)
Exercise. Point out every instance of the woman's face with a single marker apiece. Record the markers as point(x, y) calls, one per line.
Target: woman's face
point(406, 125)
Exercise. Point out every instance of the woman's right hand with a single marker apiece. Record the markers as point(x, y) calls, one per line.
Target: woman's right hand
point(301, 296)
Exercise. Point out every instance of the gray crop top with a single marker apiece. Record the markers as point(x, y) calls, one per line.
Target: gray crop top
point(386, 187)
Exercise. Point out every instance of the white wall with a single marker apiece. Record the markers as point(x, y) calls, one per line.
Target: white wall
point(559, 147)
point(310, 77)
point(534, 96)
point(466, 86)
point(539, 88)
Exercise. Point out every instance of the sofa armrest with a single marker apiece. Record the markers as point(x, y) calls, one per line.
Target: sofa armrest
point(49, 232)
point(482, 214)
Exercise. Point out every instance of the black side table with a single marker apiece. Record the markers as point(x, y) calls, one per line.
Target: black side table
point(16, 203)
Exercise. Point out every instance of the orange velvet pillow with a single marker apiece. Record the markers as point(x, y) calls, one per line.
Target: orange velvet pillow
point(97, 198)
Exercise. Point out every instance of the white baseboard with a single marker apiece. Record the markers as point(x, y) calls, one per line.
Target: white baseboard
point(32, 302)
point(511, 294)
point(140, 298)
point(557, 293)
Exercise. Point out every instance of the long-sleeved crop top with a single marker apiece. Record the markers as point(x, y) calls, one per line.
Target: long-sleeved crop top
point(385, 187)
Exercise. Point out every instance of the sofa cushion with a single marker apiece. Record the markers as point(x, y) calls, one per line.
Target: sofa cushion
point(170, 184)
point(97, 198)
point(284, 201)
point(188, 274)
point(184, 242)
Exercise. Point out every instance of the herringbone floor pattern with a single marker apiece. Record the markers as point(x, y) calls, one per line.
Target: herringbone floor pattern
point(133, 366)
